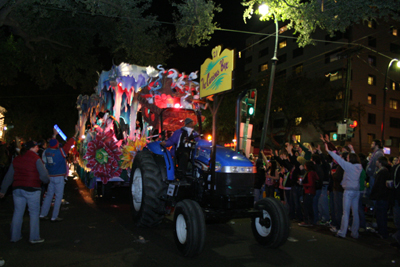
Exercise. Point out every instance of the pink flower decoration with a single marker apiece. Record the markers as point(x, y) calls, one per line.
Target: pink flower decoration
point(103, 156)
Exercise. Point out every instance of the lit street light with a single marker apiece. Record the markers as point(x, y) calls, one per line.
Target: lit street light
point(385, 88)
point(263, 9)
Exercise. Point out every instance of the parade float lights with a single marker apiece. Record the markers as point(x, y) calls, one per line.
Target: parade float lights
point(121, 93)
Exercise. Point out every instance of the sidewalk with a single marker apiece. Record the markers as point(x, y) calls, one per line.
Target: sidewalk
point(86, 237)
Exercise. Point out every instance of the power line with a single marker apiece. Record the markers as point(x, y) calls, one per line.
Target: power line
point(217, 29)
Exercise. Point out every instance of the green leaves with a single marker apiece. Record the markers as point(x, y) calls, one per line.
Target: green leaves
point(194, 22)
point(331, 15)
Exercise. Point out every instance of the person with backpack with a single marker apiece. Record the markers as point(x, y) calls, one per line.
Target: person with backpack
point(351, 184)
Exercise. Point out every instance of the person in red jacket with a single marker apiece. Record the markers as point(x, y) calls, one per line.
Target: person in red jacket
point(26, 173)
point(309, 192)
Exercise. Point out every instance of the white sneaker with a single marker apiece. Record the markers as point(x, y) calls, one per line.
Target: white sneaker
point(333, 229)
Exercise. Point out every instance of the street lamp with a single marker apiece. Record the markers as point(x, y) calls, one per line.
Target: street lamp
point(263, 9)
point(385, 88)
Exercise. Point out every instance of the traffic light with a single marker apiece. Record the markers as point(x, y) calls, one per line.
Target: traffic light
point(351, 125)
point(251, 100)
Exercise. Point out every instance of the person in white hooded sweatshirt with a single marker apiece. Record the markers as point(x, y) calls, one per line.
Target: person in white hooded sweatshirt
point(351, 184)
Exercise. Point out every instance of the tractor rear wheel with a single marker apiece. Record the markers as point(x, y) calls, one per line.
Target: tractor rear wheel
point(146, 188)
point(271, 229)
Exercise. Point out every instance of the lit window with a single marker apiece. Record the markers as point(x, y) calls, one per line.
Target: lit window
point(282, 44)
point(395, 86)
point(394, 31)
point(298, 138)
point(339, 95)
point(371, 99)
point(394, 104)
point(264, 67)
point(298, 120)
point(371, 80)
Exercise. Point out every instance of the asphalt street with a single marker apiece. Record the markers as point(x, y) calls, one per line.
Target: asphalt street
point(101, 233)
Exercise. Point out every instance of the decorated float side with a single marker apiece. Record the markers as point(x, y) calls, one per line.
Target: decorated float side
point(123, 115)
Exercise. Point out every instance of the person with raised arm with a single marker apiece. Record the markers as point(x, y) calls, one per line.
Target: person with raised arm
point(351, 184)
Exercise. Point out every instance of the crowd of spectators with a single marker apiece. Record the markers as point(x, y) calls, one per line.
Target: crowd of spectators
point(333, 186)
point(25, 169)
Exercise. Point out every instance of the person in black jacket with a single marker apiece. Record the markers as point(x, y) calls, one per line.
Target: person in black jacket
point(395, 176)
point(316, 159)
point(296, 192)
point(380, 192)
point(259, 180)
point(324, 201)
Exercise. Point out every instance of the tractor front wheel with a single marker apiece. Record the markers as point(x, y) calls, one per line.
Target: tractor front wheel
point(190, 228)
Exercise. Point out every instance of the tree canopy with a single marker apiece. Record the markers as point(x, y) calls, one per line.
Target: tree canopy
point(305, 16)
point(72, 39)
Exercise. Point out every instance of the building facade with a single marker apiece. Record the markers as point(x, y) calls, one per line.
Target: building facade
point(366, 49)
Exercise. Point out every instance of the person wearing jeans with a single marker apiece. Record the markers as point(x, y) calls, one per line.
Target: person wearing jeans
point(55, 159)
point(22, 198)
point(351, 184)
point(56, 187)
point(26, 174)
point(350, 201)
point(323, 204)
point(337, 196)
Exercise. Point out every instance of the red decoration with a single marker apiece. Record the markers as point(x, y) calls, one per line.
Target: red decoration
point(103, 156)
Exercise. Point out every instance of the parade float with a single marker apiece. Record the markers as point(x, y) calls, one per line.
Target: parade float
point(123, 115)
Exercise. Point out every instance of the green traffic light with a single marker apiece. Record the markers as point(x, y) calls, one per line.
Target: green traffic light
point(251, 111)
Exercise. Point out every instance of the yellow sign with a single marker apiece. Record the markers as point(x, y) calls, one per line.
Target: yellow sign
point(216, 73)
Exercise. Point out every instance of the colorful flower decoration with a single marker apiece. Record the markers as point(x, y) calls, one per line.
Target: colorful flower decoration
point(129, 151)
point(103, 155)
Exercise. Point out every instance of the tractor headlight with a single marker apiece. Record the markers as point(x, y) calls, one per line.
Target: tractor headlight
point(235, 169)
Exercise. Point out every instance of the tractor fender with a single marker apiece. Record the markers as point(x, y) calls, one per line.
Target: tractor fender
point(163, 158)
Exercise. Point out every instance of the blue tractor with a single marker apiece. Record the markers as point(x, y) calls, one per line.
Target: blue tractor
point(217, 191)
